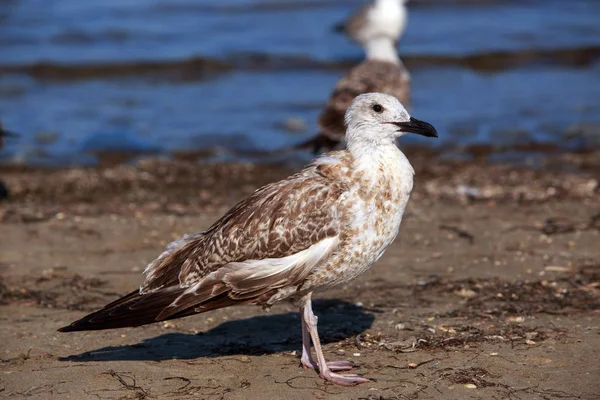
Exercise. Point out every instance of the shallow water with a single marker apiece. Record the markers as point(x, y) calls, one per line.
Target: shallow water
point(272, 61)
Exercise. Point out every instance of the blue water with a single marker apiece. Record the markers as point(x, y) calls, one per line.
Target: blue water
point(245, 108)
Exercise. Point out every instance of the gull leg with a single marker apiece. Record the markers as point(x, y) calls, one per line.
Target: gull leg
point(309, 322)
point(307, 359)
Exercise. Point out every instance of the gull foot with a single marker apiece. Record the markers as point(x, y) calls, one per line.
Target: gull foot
point(333, 365)
point(344, 380)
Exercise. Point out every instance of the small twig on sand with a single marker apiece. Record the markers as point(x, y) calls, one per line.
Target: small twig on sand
point(128, 386)
point(186, 380)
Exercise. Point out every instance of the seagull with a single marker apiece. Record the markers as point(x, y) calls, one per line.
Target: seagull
point(382, 17)
point(377, 27)
point(320, 227)
point(382, 71)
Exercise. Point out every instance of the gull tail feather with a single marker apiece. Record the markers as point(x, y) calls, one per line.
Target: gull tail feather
point(128, 311)
point(135, 310)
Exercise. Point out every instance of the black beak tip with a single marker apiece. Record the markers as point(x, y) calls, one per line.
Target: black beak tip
point(417, 126)
point(423, 128)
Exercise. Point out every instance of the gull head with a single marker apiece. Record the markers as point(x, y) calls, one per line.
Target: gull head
point(386, 18)
point(391, 1)
point(377, 118)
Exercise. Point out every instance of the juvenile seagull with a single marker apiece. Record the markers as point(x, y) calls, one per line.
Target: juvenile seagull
point(320, 227)
point(382, 17)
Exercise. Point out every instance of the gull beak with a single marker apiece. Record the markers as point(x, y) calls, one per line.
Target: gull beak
point(417, 126)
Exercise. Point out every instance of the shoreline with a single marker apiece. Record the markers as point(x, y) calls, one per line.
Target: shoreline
point(201, 68)
point(185, 186)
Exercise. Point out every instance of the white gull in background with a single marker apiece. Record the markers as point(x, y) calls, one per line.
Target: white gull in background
point(381, 17)
point(382, 71)
point(321, 227)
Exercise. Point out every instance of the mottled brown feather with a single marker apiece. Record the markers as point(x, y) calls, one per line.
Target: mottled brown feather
point(271, 223)
point(198, 272)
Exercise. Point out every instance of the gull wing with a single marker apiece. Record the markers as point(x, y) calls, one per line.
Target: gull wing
point(266, 244)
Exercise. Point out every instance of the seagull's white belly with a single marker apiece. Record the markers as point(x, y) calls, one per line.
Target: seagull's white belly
point(371, 225)
point(374, 232)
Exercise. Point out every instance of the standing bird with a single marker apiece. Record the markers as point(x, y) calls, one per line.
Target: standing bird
point(320, 227)
point(382, 17)
point(377, 28)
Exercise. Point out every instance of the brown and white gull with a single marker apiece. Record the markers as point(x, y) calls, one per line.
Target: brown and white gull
point(321, 227)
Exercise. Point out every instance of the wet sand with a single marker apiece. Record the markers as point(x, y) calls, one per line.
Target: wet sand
point(491, 290)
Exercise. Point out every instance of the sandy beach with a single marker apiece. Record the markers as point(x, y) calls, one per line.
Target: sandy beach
point(490, 291)
point(138, 122)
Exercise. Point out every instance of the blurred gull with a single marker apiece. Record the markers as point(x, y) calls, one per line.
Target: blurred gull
point(321, 227)
point(382, 71)
point(382, 17)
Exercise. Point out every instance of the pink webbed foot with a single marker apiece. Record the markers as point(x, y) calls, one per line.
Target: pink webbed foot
point(332, 365)
point(344, 380)
point(340, 365)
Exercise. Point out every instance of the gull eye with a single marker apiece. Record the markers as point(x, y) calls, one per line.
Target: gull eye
point(377, 108)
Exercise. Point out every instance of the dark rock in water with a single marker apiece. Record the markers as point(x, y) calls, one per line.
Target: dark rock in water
point(3, 191)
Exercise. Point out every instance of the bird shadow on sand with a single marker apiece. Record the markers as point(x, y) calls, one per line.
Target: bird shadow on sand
point(263, 334)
